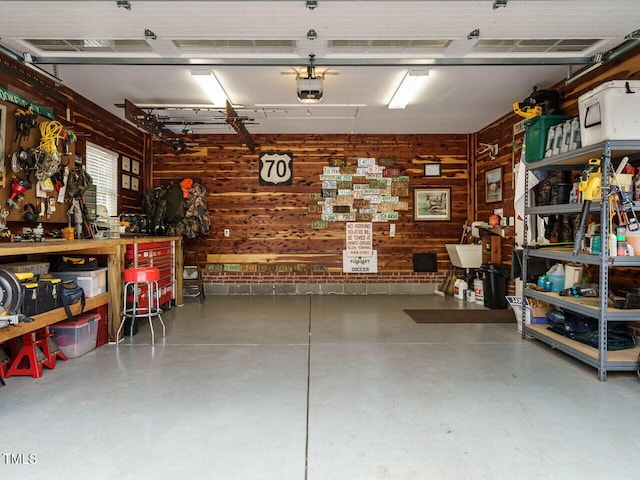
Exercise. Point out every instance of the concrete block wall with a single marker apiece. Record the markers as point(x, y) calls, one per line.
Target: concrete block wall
point(324, 283)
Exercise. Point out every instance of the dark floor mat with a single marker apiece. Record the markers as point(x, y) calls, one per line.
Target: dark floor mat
point(462, 316)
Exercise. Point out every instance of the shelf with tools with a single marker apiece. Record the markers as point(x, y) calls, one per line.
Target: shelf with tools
point(597, 159)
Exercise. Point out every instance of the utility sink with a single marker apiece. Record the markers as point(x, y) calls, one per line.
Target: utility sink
point(465, 255)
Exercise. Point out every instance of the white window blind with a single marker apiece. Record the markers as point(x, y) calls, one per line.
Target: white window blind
point(102, 165)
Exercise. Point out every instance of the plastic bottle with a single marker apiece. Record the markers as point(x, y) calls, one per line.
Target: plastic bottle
point(621, 246)
point(557, 141)
point(478, 287)
point(613, 245)
point(566, 137)
point(575, 141)
point(459, 289)
point(541, 280)
point(551, 135)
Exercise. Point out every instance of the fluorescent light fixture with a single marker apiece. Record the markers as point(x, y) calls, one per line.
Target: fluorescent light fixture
point(211, 86)
point(410, 85)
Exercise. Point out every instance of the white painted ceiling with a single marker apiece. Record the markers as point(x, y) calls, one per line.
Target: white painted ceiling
point(365, 47)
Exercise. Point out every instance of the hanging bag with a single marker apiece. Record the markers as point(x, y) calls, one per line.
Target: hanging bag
point(71, 293)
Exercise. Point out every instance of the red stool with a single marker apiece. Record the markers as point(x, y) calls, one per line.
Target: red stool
point(141, 285)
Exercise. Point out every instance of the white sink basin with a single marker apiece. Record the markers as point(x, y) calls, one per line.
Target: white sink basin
point(465, 256)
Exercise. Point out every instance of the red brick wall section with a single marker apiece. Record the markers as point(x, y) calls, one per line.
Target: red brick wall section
point(322, 277)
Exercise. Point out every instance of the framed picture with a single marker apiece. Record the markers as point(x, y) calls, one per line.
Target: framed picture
point(431, 204)
point(432, 170)
point(135, 184)
point(493, 185)
point(135, 167)
point(126, 164)
point(126, 181)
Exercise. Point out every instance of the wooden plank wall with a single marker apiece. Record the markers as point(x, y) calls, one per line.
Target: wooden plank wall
point(274, 220)
point(90, 122)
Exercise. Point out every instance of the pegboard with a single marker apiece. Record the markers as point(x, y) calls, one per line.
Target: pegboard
point(10, 143)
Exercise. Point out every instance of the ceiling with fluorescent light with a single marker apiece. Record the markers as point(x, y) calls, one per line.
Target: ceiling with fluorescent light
point(362, 49)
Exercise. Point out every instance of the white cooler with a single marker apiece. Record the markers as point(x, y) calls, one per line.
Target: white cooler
point(610, 111)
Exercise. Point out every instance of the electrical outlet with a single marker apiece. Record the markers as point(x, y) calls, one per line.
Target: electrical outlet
point(226, 232)
point(392, 229)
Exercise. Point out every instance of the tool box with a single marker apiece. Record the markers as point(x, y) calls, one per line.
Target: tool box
point(40, 296)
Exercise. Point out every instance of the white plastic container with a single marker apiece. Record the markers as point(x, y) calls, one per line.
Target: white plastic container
point(572, 274)
point(94, 282)
point(633, 239)
point(460, 288)
point(478, 288)
point(610, 112)
point(471, 295)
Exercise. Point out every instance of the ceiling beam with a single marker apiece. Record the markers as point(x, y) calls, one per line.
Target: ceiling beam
point(319, 62)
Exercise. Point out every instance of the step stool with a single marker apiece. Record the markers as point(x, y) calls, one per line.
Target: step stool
point(141, 284)
point(192, 283)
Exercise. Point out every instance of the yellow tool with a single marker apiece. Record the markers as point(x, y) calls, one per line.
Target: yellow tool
point(590, 183)
point(527, 111)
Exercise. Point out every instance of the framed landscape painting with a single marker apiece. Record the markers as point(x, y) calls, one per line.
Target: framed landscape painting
point(431, 204)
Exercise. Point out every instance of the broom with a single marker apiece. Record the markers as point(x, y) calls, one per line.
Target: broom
point(446, 288)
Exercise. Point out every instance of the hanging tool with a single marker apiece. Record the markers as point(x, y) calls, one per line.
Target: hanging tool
point(539, 102)
point(590, 183)
point(25, 121)
point(621, 200)
point(18, 187)
point(4, 229)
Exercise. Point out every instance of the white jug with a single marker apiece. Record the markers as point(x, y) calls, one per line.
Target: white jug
point(572, 275)
point(460, 289)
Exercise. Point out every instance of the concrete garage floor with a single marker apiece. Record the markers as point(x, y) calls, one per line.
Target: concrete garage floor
point(320, 388)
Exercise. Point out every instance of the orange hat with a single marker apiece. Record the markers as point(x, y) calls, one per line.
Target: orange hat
point(186, 186)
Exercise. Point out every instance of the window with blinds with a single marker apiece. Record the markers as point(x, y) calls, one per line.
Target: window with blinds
point(102, 165)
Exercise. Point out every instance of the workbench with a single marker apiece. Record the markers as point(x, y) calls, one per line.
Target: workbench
point(114, 249)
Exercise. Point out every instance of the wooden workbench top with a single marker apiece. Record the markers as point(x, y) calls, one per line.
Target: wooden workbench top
point(97, 246)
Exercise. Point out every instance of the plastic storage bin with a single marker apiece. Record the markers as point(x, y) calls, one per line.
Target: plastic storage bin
point(37, 268)
point(495, 282)
point(94, 282)
point(536, 130)
point(77, 337)
point(610, 111)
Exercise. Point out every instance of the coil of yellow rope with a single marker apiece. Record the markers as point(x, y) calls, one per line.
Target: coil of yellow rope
point(50, 133)
point(48, 163)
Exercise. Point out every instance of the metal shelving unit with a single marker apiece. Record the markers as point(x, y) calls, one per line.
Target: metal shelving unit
point(600, 358)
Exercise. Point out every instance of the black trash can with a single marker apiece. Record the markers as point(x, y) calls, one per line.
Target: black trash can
point(495, 279)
